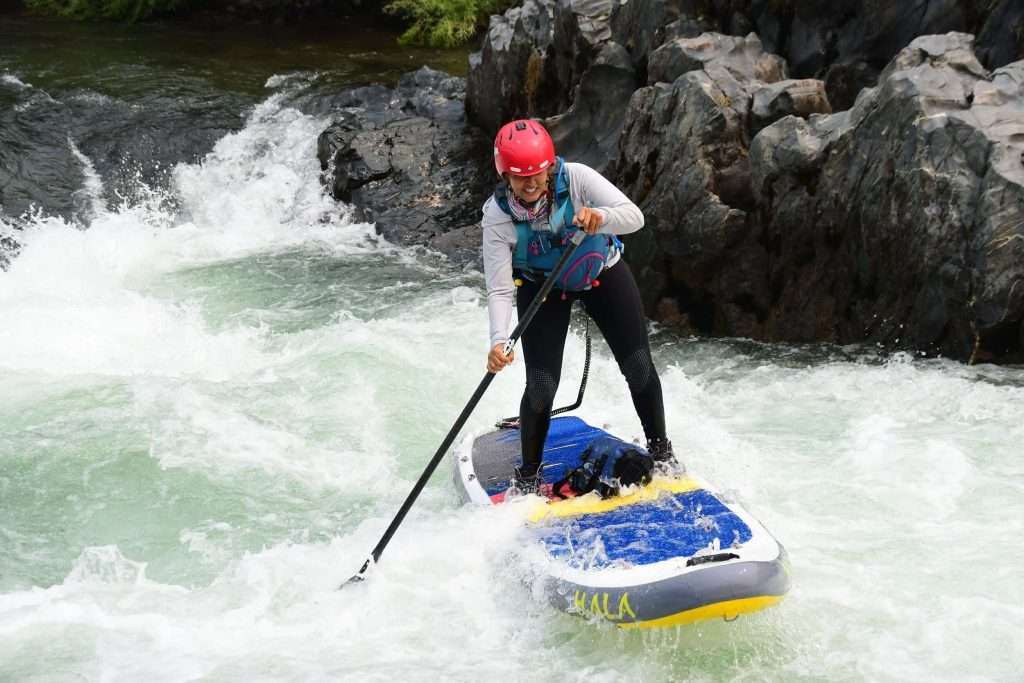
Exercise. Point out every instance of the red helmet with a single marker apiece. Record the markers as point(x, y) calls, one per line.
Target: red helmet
point(523, 147)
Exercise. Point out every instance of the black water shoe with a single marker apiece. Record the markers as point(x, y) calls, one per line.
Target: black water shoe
point(664, 457)
point(522, 483)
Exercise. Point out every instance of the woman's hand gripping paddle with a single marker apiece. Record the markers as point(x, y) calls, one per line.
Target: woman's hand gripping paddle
point(542, 294)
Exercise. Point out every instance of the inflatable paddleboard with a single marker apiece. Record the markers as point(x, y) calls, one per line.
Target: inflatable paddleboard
point(668, 553)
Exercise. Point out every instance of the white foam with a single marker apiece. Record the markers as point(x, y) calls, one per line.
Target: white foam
point(298, 78)
point(270, 603)
point(93, 187)
point(106, 564)
point(12, 80)
point(75, 300)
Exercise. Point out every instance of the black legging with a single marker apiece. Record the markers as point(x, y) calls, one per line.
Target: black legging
point(615, 306)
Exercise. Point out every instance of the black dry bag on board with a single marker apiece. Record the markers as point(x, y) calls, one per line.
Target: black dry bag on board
point(607, 465)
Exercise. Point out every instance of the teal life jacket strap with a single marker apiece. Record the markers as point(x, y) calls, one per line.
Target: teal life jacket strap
point(561, 215)
point(560, 218)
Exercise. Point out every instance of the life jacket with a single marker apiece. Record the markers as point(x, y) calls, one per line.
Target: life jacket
point(605, 466)
point(538, 251)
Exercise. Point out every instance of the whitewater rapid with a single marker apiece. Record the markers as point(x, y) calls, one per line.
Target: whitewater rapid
point(217, 393)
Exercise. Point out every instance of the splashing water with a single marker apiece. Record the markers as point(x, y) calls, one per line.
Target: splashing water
point(217, 394)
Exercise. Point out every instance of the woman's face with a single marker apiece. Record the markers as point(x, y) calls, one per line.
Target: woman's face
point(528, 188)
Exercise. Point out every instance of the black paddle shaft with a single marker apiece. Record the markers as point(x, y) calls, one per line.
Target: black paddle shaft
point(545, 289)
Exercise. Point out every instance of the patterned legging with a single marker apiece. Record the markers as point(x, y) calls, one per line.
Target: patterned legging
point(616, 309)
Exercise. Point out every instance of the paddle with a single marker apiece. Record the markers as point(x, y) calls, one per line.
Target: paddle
point(545, 289)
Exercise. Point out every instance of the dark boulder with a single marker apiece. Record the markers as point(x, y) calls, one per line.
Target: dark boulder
point(684, 159)
point(846, 43)
point(589, 131)
point(895, 221)
point(581, 31)
point(643, 25)
point(66, 152)
point(744, 58)
point(405, 160)
point(774, 101)
point(901, 222)
point(505, 77)
point(555, 61)
point(1001, 34)
point(535, 58)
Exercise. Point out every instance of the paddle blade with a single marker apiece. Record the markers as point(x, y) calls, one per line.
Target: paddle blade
point(360, 575)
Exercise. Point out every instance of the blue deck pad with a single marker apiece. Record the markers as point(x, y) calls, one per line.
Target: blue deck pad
point(675, 525)
point(567, 438)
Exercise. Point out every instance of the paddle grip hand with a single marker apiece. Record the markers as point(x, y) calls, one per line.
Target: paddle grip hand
point(499, 357)
point(589, 220)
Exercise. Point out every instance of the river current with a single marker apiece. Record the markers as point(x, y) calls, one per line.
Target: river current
point(216, 389)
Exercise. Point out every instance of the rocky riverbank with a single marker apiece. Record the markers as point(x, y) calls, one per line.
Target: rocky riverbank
point(809, 172)
point(406, 160)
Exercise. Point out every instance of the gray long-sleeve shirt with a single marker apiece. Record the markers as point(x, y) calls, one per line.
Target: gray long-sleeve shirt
point(588, 188)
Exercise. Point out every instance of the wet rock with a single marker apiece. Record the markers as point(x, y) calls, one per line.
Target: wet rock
point(901, 222)
point(405, 160)
point(789, 98)
point(505, 77)
point(641, 26)
point(843, 83)
point(850, 41)
point(589, 131)
point(52, 142)
point(581, 30)
point(1001, 36)
point(684, 149)
point(744, 58)
point(846, 43)
point(684, 160)
point(555, 60)
point(535, 58)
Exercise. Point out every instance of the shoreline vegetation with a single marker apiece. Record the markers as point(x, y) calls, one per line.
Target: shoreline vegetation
point(428, 23)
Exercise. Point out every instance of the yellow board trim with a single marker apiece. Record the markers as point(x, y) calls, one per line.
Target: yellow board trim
point(591, 503)
point(728, 610)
